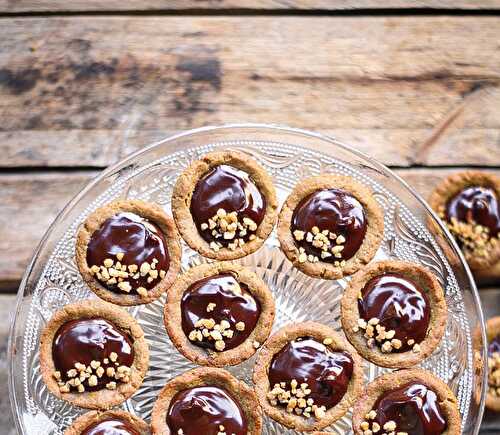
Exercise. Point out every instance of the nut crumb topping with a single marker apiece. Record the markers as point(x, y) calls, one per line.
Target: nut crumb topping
point(371, 427)
point(330, 244)
point(295, 398)
point(494, 374)
point(116, 274)
point(475, 239)
point(81, 375)
point(229, 226)
point(207, 329)
point(377, 334)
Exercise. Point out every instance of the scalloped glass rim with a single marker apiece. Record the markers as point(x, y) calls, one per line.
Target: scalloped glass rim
point(264, 133)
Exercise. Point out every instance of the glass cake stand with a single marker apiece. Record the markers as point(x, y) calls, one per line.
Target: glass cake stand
point(412, 232)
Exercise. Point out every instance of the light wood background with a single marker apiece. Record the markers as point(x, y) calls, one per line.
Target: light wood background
point(415, 84)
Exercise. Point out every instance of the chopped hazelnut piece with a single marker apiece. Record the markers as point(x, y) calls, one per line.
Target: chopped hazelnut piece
point(141, 291)
point(108, 262)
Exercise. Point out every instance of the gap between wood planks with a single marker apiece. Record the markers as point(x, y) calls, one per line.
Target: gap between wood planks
point(394, 12)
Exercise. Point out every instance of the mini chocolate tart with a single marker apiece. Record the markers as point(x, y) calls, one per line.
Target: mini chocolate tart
point(93, 354)
point(113, 422)
point(469, 204)
point(218, 314)
point(394, 313)
point(224, 205)
point(493, 336)
point(412, 402)
point(306, 376)
point(206, 401)
point(128, 252)
point(330, 226)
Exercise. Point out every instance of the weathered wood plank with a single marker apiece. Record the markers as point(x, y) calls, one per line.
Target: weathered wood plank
point(152, 5)
point(33, 201)
point(83, 91)
point(29, 205)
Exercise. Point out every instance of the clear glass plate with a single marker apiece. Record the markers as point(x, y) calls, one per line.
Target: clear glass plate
point(412, 233)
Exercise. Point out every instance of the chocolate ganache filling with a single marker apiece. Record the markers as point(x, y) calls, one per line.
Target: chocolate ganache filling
point(83, 350)
point(400, 305)
point(414, 408)
point(110, 426)
point(235, 193)
point(128, 253)
point(306, 361)
point(494, 346)
point(219, 300)
point(207, 410)
point(478, 205)
point(329, 224)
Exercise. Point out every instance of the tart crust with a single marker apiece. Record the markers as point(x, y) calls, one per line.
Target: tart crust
point(492, 330)
point(149, 211)
point(92, 417)
point(451, 186)
point(350, 313)
point(183, 191)
point(374, 230)
point(104, 398)
point(207, 357)
point(275, 344)
point(207, 376)
point(447, 400)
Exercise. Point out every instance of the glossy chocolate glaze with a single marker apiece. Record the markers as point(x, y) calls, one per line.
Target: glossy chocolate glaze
point(111, 426)
point(228, 306)
point(85, 340)
point(307, 360)
point(476, 204)
point(201, 410)
point(230, 189)
point(138, 239)
point(412, 415)
point(399, 304)
point(494, 345)
point(334, 210)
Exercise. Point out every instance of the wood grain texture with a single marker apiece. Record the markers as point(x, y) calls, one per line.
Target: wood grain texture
point(30, 202)
point(152, 5)
point(84, 91)
point(33, 201)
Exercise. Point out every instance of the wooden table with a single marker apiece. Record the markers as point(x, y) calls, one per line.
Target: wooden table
point(83, 83)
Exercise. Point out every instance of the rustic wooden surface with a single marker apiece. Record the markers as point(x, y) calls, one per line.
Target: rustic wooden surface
point(84, 91)
point(415, 84)
point(77, 93)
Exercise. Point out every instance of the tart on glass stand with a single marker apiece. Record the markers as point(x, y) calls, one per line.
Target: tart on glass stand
point(394, 313)
point(330, 226)
point(224, 205)
point(218, 314)
point(128, 252)
point(93, 354)
point(306, 376)
point(410, 401)
point(108, 422)
point(469, 204)
point(208, 401)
